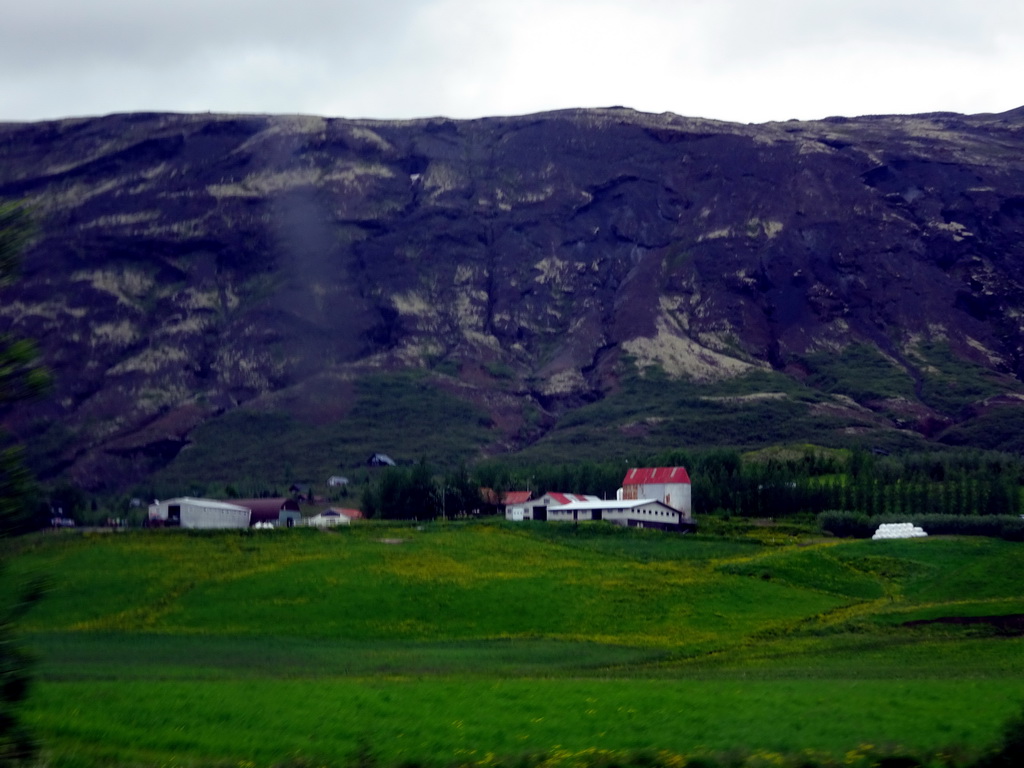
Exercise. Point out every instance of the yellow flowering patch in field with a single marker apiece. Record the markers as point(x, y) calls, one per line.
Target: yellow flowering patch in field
point(432, 567)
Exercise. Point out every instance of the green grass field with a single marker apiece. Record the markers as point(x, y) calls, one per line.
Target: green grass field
point(482, 643)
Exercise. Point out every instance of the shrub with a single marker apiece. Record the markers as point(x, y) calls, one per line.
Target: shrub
point(855, 525)
point(1010, 752)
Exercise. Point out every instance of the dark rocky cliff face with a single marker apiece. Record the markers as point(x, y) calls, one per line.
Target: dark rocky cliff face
point(188, 267)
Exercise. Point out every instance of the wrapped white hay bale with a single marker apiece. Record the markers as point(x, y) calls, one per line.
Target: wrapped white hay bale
point(899, 531)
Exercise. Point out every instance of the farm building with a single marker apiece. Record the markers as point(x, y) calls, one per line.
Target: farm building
point(198, 513)
point(330, 518)
point(657, 497)
point(276, 511)
point(639, 513)
point(669, 485)
point(380, 460)
point(537, 509)
point(511, 500)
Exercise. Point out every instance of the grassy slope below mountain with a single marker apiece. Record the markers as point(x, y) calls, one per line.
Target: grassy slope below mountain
point(416, 642)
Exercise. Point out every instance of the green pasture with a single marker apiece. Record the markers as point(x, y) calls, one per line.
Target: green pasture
point(475, 643)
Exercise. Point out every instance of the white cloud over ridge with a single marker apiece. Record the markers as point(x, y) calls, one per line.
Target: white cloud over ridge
point(743, 60)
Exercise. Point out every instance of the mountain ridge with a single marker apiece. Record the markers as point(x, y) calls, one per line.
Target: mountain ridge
point(188, 266)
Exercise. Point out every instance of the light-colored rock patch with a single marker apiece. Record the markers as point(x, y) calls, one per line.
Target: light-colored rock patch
point(753, 397)
point(993, 358)
point(19, 310)
point(958, 230)
point(557, 272)
point(127, 285)
point(768, 228)
point(250, 371)
point(564, 383)
point(190, 325)
point(469, 308)
point(353, 174)
point(441, 178)
point(485, 340)
point(71, 196)
point(261, 184)
point(151, 360)
point(371, 137)
point(120, 334)
point(296, 124)
point(193, 298)
point(414, 304)
point(123, 220)
point(715, 234)
point(681, 357)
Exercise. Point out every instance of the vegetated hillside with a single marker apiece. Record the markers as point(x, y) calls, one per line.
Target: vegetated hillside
point(441, 643)
point(586, 282)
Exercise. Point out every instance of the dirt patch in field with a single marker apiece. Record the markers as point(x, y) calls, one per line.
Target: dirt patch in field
point(1010, 624)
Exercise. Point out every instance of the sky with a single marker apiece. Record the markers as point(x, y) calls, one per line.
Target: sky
point(748, 61)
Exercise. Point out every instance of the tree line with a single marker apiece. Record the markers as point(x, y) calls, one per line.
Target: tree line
point(804, 481)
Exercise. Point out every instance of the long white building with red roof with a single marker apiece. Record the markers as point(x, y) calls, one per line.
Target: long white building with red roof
point(657, 497)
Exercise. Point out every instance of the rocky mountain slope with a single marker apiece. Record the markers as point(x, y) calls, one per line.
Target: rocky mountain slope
point(599, 280)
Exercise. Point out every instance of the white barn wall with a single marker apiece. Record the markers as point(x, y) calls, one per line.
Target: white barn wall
point(675, 495)
point(201, 513)
point(201, 516)
point(639, 513)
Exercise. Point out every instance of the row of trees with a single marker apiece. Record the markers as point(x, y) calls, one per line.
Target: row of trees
point(960, 483)
point(724, 481)
point(417, 493)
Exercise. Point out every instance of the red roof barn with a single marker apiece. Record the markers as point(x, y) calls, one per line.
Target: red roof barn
point(670, 485)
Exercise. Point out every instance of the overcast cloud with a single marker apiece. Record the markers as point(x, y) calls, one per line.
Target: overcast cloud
point(742, 60)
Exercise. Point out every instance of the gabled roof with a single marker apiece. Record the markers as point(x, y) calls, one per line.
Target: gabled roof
point(620, 504)
point(569, 498)
point(656, 475)
point(516, 497)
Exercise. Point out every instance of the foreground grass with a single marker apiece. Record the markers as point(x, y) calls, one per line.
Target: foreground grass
point(449, 643)
point(454, 718)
